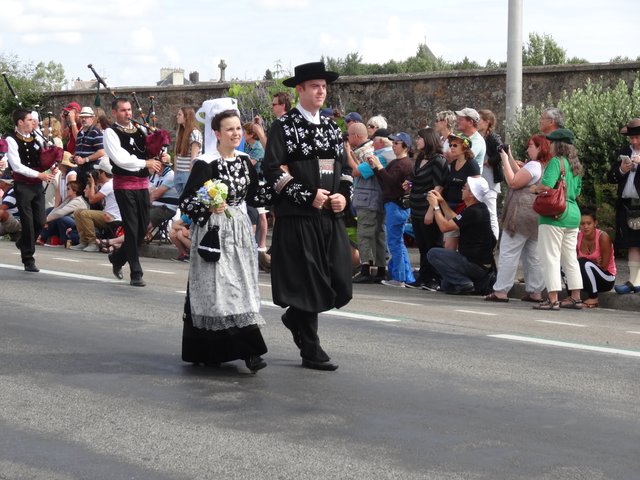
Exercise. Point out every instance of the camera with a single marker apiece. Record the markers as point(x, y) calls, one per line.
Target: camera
point(65, 113)
point(503, 147)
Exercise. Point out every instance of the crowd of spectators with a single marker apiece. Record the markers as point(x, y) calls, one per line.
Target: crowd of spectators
point(440, 187)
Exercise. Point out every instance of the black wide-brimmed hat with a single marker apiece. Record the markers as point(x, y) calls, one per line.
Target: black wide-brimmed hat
point(310, 71)
point(631, 128)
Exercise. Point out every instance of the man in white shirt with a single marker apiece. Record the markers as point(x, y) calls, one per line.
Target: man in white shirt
point(467, 122)
point(88, 220)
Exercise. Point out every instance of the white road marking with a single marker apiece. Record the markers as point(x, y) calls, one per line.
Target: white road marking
point(577, 346)
point(64, 274)
point(183, 292)
point(477, 313)
point(66, 259)
point(337, 313)
point(561, 323)
point(637, 333)
point(403, 303)
point(159, 271)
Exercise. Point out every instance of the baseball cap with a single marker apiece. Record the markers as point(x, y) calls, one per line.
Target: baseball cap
point(73, 106)
point(469, 112)
point(353, 117)
point(401, 136)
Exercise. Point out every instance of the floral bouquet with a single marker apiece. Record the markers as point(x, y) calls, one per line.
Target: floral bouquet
point(213, 194)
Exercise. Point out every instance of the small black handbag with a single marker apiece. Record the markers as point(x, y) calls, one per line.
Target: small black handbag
point(209, 248)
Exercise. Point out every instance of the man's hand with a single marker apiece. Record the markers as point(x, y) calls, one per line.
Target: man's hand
point(434, 198)
point(321, 197)
point(338, 202)
point(154, 165)
point(46, 177)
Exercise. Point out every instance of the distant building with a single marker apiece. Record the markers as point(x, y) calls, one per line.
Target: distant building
point(174, 76)
point(84, 84)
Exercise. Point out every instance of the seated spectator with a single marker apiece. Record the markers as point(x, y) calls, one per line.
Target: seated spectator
point(67, 174)
point(596, 258)
point(180, 236)
point(88, 220)
point(60, 221)
point(9, 217)
point(471, 268)
point(163, 197)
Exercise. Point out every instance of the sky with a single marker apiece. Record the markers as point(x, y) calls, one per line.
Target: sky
point(129, 41)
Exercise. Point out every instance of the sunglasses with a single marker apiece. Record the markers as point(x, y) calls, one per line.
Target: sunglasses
point(454, 145)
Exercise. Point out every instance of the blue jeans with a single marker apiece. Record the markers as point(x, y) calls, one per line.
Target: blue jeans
point(456, 271)
point(399, 266)
point(180, 180)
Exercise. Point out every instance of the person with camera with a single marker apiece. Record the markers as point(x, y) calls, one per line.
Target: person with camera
point(89, 148)
point(624, 172)
point(396, 205)
point(88, 220)
point(70, 125)
point(368, 204)
point(519, 240)
point(470, 269)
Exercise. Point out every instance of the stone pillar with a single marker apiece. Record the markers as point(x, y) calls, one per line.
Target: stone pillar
point(222, 66)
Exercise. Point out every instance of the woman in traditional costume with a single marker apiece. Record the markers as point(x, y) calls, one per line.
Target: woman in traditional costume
point(221, 313)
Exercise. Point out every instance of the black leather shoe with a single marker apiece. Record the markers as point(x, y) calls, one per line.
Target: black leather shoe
point(31, 268)
point(326, 366)
point(293, 329)
point(361, 278)
point(137, 282)
point(255, 363)
point(117, 271)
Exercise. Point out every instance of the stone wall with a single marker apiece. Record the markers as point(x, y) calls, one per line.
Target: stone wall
point(408, 101)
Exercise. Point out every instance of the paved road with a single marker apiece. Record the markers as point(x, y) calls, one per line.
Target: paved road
point(429, 386)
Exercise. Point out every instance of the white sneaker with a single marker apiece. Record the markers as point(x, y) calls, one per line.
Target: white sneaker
point(91, 248)
point(80, 246)
point(392, 283)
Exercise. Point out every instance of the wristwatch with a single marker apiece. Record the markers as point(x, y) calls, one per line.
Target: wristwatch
point(437, 207)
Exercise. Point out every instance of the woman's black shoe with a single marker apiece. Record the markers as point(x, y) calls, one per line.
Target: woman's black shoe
point(255, 363)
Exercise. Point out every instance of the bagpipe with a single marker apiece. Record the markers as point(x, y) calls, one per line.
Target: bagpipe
point(157, 140)
point(50, 155)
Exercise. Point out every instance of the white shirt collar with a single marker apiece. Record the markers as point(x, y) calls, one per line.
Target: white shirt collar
point(315, 119)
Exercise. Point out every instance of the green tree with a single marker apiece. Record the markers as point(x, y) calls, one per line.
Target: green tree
point(595, 114)
point(542, 50)
point(50, 76)
point(29, 91)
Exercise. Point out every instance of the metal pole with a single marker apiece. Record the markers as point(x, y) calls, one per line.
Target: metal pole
point(514, 61)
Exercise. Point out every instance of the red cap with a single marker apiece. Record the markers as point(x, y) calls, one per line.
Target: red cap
point(73, 106)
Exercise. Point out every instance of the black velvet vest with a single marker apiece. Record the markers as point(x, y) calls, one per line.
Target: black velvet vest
point(29, 151)
point(135, 144)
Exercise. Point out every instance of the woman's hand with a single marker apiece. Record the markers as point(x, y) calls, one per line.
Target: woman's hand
point(374, 162)
point(406, 185)
point(220, 209)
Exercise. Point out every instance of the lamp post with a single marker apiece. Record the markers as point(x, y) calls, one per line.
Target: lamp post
point(514, 61)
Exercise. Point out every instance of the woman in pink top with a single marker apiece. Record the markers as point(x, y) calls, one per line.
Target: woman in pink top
point(596, 259)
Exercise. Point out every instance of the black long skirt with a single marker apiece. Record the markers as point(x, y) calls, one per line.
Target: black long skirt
point(311, 263)
point(219, 346)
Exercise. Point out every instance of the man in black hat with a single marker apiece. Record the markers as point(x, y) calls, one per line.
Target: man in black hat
point(305, 162)
point(624, 172)
point(29, 172)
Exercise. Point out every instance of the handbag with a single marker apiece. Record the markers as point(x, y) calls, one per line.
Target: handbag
point(553, 202)
point(209, 247)
point(633, 217)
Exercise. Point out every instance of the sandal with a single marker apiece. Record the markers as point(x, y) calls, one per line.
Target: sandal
point(492, 297)
point(547, 305)
point(529, 298)
point(587, 304)
point(571, 303)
